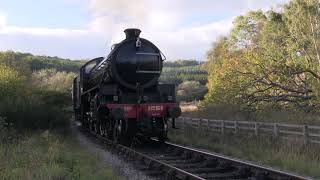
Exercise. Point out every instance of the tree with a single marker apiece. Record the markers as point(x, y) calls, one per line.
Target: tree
point(269, 58)
point(190, 91)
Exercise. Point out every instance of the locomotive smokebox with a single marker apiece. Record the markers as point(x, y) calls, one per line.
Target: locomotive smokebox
point(132, 33)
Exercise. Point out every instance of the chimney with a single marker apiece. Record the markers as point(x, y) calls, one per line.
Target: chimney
point(132, 33)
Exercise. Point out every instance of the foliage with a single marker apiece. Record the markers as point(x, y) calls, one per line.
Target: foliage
point(188, 75)
point(179, 74)
point(180, 63)
point(53, 80)
point(11, 82)
point(32, 102)
point(190, 91)
point(270, 58)
point(27, 62)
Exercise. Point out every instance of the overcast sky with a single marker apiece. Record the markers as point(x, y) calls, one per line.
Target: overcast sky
point(81, 29)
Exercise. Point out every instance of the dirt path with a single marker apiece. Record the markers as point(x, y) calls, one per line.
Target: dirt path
point(119, 166)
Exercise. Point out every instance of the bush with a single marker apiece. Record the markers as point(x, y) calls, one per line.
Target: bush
point(40, 106)
point(190, 91)
point(53, 80)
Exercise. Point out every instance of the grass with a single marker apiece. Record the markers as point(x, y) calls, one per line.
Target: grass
point(233, 112)
point(291, 156)
point(50, 156)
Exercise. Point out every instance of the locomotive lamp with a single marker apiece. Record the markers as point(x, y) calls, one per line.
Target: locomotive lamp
point(115, 98)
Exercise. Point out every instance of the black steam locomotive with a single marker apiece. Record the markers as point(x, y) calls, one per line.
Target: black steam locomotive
point(119, 96)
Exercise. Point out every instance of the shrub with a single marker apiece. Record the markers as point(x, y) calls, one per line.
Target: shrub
point(190, 91)
point(40, 106)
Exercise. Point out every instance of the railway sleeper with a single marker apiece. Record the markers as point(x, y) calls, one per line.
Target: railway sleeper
point(167, 158)
point(153, 172)
point(187, 165)
point(179, 161)
point(224, 175)
point(189, 158)
point(201, 170)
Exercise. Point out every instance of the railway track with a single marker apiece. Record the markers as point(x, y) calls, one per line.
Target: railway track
point(172, 161)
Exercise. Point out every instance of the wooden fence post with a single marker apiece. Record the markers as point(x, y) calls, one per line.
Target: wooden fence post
point(275, 130)
point(256, 128)
point(236, 127)
point(183, 122)
point(222, 127)
point(305, 134)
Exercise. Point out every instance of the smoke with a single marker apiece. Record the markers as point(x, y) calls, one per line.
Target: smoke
point(128, 11)
point(111, 17)
point(2, 21)
point(174, 26)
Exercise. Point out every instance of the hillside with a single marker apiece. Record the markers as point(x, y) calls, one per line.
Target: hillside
point(188, 75)
point(35, 63)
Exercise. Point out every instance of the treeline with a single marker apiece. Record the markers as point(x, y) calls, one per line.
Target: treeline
point(269, 59)
point(179, 74)
point(35, 63)
point(181, 63)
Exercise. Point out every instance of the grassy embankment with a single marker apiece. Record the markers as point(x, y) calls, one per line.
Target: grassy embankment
point(292, 156)
point(50, 156)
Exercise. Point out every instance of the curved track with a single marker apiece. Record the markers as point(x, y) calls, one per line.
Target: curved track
point(171, 161)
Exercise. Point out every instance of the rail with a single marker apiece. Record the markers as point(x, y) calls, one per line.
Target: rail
point(305, 133)
point(171, 161)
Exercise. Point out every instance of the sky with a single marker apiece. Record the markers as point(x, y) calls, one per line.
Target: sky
point(85, 29)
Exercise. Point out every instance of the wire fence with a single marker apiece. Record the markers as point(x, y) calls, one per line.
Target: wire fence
point(307, 133)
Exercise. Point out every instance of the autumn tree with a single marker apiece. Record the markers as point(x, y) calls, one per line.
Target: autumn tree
point(269, 58)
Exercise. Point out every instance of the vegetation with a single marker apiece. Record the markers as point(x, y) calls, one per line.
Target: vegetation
point(50, 156)
point(28, 107)
point(36, 99)
point(292, 156)
point(183, 70)
point(190, 91)
point(269, 59)
point(46, 72)
point(236, 113)
point(189, 76)
point(34, 63)
point(266, 69)
point(181, 63)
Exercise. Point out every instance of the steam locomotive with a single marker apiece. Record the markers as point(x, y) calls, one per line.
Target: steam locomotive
point(120, 96)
